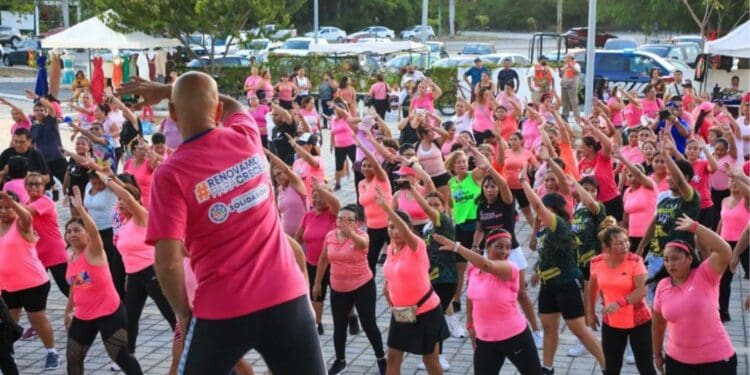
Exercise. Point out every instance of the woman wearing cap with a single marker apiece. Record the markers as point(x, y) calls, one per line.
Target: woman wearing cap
point(352, 284)
point(620, 276)
point(290, 194)
point(431, 157)
point(414, 181)
point(686, 306)
point(704, 119)
point(258, 112)
point(417, 324)
point(483, 108)
point(492, 295)
point(560, 292)
point(309, 164)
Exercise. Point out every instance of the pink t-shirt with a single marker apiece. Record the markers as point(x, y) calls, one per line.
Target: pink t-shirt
point(651, 108)
point(25, 124)
point(252, 81)
point(530, 133)
point(315, 226)
point(375, 217)
point(131, 243)
point(259, 115)
point(308, 173)
point(615, 114)
point(50, 247)
point(425, 102)
point(408, 274)
point(699, 182)
point(20, 267)
point(349, 267)
point(170, 131)
point(493, 300)
point(343, 136)
point(379, 90)
point(285, 92)
point(633, 154)
point(292, 208)
point(312, 118)
point(695, 333)
point(17, 187)
point(601, 169)
point(94, 293)
point(719, 180)
point(640, 205)
point(86, 119)
point(222, 206)
point(143, 174)
point(632, 115)
point(514, 163)
point(482, 118)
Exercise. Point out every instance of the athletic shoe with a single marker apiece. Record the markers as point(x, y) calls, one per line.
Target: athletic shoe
point(577, 350)
point(538, 339)
point(381, 259)
point(353, 325)
point(52, 362)
point(548, 371)
point(114, 367)
point(725, 317)
point(456, 306)
point(337, 187)
point(338, 367)
point(28, 334)
point(320, 329)
point(443, 363)
point(454, 326)
point(382, 365)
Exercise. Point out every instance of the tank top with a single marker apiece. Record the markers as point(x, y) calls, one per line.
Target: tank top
point(431, 160)
point(734, 220)
point(131, 243)
point(343, 136)
point(20, 268)
point(94, 294)
point(464, 195)
point(409, 205)
point(292, 207)
point(482, 118)
point(285, 93)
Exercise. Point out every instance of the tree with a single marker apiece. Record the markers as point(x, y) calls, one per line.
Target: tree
point(709, 7)
point(18, 6)
point(180, 18)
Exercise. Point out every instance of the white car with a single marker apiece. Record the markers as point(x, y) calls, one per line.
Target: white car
point(456, 61)
point(374, 40)
point(415, 32)
point(497, 58)
point(329, 33)
point(258, 46)
point(299, 46)
point(372, 32)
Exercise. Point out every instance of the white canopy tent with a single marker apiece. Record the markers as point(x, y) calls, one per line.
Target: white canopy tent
point(93, 33)
point(735, 44)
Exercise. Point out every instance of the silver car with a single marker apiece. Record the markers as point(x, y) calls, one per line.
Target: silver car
point(9, 35)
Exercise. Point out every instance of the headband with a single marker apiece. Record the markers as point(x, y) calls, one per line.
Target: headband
point(497, 236)
point(678, 245)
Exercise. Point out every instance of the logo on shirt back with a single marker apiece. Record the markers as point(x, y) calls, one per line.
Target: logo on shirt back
point(219, 212)
point(230, 178)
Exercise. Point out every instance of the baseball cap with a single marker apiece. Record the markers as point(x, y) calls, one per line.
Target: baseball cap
point(672, 105)
point(406, 171)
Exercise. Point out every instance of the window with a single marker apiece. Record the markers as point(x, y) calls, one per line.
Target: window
point(691, 53)
point(676, 53)
point(610, 63)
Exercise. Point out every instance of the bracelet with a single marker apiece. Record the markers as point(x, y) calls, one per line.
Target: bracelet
point(622, 301)
point(693, 227)
point(455, 248)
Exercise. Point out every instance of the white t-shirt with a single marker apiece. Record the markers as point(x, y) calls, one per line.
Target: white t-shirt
point(518, 258)
point(745, 134)
point(463, 123)
point(303, 84)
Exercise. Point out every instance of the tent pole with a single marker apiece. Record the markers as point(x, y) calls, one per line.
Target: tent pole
point(88, 62)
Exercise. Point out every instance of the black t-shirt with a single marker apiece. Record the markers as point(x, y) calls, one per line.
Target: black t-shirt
point(45, 136)
point(507, 75)
point(129, 132)
point(78, 176)
point(284, 149)
point(498, 215)
point(408, 135)
point(36, 160)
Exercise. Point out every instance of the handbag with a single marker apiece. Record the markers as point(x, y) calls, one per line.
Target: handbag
point(408, 314)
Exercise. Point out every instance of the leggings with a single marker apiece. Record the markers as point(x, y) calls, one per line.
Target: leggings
point(284, 335)
point(726, 367)
point(7, 360)
point(717, 196)
point(725, 287)
point(489, 356)
point(140, 285)
point(58, 273)
point(378, 238)
point(363, 298)
point(112, 328)
point(341, 153)
point(614, 341)
point(381, 106)
point(116, 267)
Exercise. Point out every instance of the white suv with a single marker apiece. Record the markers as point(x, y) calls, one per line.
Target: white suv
point(415, 32)
point(329, 33)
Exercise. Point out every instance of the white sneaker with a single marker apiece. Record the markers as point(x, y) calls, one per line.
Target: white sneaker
point(455, 327)
point(443, 363)
point(577, 350)
point(629, 357)
point(538, 339)
point(114, 367)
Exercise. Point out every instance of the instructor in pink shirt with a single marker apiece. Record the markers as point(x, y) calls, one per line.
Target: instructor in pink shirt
point(213, 200)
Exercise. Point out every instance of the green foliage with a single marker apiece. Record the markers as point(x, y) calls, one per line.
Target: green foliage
point(482, 20)
point(19, 6)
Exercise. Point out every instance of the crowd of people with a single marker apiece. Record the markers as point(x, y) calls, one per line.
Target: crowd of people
point(226, 220)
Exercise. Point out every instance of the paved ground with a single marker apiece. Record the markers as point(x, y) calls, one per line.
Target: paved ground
point(154, 341)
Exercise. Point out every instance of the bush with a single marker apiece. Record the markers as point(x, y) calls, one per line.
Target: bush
point(483, 21)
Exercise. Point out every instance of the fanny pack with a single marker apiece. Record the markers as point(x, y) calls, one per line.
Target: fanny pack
point(408, 314)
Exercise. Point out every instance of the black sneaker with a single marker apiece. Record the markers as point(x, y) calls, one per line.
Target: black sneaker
point(338, 367)
point(382, 365)
point(337, 187)
point(381, 259)
point(546, 371)
point(456, 306)
point(725, 316)
point(353, 325)
point(320, 329)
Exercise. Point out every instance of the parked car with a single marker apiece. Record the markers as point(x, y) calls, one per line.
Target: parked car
point(437, 49)
point(478, 49)
point(631, 70)
point(258, 46)
point(223, 61)
point(687, 70)
point(576, 37)
point(9, 35)
point(19, 53)
point(458, 61)
point(371, 32)
point(686, 52)
point(299, 46)
point(697, 39)
point(415, 32)
point(515, 58)
point(374, 40)
point(329, 33)
point(421, 61)
point(620, 43)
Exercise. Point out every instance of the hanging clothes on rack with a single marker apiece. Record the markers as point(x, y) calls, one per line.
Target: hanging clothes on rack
point(133, 63)
point(97, 80)
point(161, 65)
point(117, 64)
point(68, 73)
point(171, 65)
point(151, 56)
point(142, 63)
point(126, 72)
point(42, 87)
point(55, 70)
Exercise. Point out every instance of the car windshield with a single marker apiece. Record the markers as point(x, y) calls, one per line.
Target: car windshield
point(476, 49)
point(434, 47)
point(296, 44)
point(662, 51)
point(258, 44)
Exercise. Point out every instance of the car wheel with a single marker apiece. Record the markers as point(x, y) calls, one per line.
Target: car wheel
point(340, 39)
point(6, 60)
point(432, 37)
point(14, 40)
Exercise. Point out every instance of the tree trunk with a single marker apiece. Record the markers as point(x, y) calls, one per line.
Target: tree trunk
point(452, 17)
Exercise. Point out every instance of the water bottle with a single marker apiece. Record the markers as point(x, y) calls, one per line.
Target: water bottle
point(716, 92)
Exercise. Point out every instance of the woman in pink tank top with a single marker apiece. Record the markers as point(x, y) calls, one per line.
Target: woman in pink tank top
point(23, 279)
point(735, 215)
point(431, 157)
point(142, 168)
point(138, 258)
point(286, 90)
point(639, 201)
point(407, 286)
point(93, 305)
point(404, 200)
point(290, 194)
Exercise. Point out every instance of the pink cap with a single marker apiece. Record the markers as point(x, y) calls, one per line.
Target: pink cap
point(706, 106)
point(406, 171)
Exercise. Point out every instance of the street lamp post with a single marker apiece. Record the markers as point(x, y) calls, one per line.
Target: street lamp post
point(315, 20)
point(590, 63)
point(425, 4)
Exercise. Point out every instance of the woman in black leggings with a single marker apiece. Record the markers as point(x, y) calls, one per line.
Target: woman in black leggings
point(352, 284)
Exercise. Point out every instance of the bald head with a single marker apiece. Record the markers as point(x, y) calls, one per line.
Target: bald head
point(195, 103)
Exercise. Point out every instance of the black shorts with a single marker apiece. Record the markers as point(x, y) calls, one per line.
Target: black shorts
point(465, 236)
point(32, 299)
point(585, 270)
point(421, 336)
point(520, 197)
point(614, 207)
point(286, 104)
point(565, 298)
point(311, 270)
point(341, 153)
point(441, 180)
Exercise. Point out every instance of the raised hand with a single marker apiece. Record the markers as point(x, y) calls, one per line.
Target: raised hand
point(76, 199)
point(445, 243)
point(684, 223)
point(151, 92)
